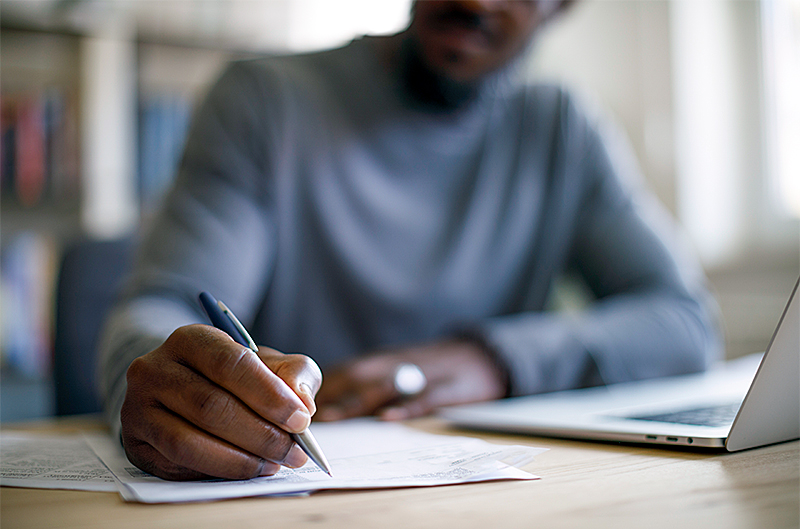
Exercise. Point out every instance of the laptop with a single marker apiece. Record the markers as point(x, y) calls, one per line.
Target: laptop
point(745, 403)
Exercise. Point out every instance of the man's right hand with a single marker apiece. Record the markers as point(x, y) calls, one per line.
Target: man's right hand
point(201, 406)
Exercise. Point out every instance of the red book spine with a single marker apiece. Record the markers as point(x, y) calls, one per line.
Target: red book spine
point(31, 153)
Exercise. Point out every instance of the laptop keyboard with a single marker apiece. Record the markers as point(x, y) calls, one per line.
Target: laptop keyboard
point(722, 415)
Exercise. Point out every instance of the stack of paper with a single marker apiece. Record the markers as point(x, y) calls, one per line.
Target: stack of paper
point(52, 462)
point(362, 453)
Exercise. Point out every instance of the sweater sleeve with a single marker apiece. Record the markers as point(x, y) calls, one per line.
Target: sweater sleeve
point(214, 232)
point(650, 313)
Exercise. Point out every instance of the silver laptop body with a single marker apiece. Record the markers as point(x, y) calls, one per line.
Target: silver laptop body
point(760, 394)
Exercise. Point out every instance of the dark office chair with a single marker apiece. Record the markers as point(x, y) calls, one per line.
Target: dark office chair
point(89, 279)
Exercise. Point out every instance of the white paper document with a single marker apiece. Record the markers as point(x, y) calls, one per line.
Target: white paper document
point(362, 453)
point(52, 462)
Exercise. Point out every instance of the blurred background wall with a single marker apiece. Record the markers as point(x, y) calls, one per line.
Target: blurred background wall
point(97, 96)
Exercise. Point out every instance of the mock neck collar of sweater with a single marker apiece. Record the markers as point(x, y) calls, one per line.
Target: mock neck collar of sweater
point(424, 91)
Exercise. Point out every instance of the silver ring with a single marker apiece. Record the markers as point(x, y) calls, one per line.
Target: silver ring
point(409, 380)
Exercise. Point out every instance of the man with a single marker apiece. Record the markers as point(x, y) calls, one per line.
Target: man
point(404, 199)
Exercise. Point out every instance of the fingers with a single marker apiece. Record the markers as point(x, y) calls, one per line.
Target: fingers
point(241, 372)
point(224, 416)
point(360, 399)
point(298, 371)
point(185, 452)
point(474, 379)
point(201, 405)
point(361, 388)
point(456, 372)
point(440, 394)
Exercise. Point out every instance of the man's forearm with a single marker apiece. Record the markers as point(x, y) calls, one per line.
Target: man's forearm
point(625, 337)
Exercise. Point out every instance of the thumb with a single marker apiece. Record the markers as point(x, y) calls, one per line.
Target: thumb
point(298, 371)
point(433, 397)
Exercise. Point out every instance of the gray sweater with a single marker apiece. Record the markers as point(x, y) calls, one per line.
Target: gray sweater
point(336, 216)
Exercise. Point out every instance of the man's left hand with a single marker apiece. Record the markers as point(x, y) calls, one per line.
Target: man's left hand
point(457, 372)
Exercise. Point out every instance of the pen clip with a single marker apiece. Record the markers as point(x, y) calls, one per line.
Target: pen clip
point(239, 327)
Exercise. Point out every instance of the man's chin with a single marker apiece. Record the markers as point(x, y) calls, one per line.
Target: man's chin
point(448, 82)
point(460, 68)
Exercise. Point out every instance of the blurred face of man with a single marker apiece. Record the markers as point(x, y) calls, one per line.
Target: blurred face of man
point(464, 41)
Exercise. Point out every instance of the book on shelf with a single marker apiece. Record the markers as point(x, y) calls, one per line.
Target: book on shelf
point(28, 269)
point(163, 124)
point(39, 156)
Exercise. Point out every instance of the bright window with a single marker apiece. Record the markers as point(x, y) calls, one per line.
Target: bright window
point(780, 22)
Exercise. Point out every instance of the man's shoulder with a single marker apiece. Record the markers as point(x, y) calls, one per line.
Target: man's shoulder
point(546, 94)
point(556, 101)
point(297, 63)
point(544, 103)
point(293, 75)
point(545, 88)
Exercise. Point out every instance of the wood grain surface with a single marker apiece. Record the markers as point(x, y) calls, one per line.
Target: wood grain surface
point(583, 485)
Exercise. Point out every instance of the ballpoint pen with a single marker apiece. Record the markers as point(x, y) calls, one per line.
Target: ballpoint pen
point(222, 318)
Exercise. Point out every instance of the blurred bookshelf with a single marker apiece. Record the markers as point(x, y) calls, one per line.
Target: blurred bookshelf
point(40, 205)
point(97, 97)
point(85, 153)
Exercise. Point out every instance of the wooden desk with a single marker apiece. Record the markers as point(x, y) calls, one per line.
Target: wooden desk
point(582, 485)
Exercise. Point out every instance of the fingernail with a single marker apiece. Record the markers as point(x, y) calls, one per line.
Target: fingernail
point(306, 390)
point(296, 458)
point(269, 468)
point(394, 414)
point(298, 421)
point(330, 413)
